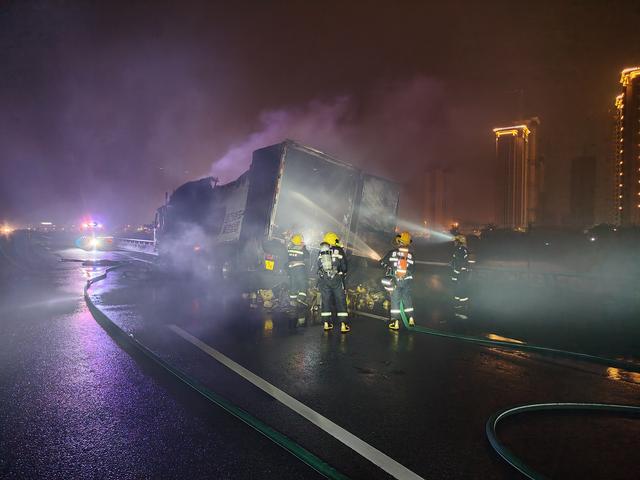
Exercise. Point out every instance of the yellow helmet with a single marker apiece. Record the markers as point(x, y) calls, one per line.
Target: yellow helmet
point(297, 239)
point(331, 238)
point(403, 239)
point(461, 239)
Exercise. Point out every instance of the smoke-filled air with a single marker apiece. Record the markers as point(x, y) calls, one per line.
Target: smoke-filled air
point(331, 239)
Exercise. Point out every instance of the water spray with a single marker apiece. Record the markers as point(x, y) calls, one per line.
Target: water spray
point(359, 246)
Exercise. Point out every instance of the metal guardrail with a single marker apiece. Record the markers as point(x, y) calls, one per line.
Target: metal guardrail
point(137, 245)
point(625, 285)
point(528, 272)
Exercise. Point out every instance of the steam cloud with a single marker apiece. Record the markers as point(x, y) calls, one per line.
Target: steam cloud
point(394, 130)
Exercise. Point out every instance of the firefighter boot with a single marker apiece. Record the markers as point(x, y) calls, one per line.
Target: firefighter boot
point(328, 326)
point(412, 322)
point(344, 328)
point(394, 325)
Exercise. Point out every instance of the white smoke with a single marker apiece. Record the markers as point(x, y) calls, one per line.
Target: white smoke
point(312, 123)
point(392, 130)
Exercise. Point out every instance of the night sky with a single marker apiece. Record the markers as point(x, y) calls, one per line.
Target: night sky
point(104, 106)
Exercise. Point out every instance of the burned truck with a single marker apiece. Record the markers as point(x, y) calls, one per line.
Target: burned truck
point(240, 229)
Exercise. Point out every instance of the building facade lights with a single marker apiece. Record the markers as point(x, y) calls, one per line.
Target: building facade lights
point(517, 195)
point(629, 74)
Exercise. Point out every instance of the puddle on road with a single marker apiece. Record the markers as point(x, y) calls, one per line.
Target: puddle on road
point(267, 327)
point(500, 338)
point(623, 375)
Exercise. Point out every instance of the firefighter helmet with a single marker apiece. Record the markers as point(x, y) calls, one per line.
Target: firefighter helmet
point(461, 239)
point(297, 239)
point(403, 239)
point(331, 238)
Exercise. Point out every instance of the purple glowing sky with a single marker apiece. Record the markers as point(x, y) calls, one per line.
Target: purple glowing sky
point(104, 106)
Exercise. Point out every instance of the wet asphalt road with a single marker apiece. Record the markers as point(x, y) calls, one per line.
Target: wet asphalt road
point(76, 406)
point(81, 407)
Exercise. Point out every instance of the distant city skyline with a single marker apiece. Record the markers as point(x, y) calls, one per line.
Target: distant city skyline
point(102, 112)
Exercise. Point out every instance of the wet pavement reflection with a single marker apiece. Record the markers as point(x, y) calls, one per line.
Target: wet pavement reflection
point(403, 392)
point(81, 407)
point(75, 405)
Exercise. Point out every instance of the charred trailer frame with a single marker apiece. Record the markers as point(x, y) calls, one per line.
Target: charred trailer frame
point(289, 188)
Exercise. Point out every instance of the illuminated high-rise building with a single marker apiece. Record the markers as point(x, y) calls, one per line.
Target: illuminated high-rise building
point(518, 179)
point(627, 149)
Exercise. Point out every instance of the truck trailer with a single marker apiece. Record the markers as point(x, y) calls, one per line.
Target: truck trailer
point(241, 229)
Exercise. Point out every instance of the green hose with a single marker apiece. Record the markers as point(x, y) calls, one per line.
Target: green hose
point(514, 461)
point(494, 420)
point(278, 438)
point(610, 362)
point(323, 468)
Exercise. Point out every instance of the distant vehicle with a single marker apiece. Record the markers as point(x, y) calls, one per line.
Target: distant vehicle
point(91, 242)
point(91, 225)
point(243, 226)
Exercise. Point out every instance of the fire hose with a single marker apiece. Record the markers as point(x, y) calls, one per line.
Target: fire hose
point(496, 418)
point(322, 467)
point(275, 436)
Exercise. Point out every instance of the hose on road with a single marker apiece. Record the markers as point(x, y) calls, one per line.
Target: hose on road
point(513, 460)
point(322, 467)
point(275, 436)
point(496, 418)
point(609, 362)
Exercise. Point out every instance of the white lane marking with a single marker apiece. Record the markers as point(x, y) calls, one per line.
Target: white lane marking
point(369, 452)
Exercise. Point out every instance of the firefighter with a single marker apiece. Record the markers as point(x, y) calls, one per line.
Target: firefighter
point(298, 275)
point(332, 268)
point(460, 271)
point(399, 264)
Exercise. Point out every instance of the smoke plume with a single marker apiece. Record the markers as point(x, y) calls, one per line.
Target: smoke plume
point(393, 130)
